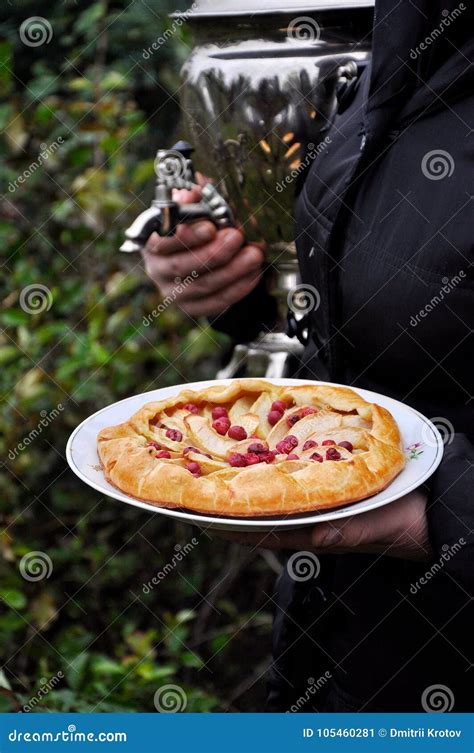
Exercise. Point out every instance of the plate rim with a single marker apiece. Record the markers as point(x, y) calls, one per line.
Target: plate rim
point(195, 518)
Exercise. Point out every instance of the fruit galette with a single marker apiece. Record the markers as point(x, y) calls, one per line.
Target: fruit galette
point(250, 448)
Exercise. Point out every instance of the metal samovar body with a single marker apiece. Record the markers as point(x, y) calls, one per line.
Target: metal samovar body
point(260, 91)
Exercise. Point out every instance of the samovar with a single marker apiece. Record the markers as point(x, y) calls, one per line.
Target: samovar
point(259, 93)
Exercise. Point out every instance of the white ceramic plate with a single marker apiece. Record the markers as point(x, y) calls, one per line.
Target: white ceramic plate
point(421, 439)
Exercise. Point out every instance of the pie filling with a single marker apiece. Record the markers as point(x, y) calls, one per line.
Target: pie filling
point(206, 437)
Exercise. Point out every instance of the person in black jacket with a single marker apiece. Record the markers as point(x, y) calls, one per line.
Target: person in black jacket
point(384, 232)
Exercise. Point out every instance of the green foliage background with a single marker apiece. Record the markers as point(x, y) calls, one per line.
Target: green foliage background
point(91, 90)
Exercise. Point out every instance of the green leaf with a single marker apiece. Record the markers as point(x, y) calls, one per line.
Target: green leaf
point(13, 317)
point(13, 598)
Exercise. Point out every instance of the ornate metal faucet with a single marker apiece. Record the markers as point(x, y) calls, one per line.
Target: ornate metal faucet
point(174, 169)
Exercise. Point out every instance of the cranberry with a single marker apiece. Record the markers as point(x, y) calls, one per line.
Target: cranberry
point(328, 441)
point(174, 434)
point(155, 445)
point(221, 425)
point(194, 468)
point(293, 456)
point(163, 454)
point(309, 444)
point(237, 460)
point(190, 449)
point(191, 408)
point(237, 432)
point(347, 445)
point(287, 444)
point(252, 458)
point(279, 406)
point(307, 411)
point(268, 457)
point(219, 412)
point(274, 416)
point(316, 456)
point(293, 419)
point(257, 447)
point(333, 454)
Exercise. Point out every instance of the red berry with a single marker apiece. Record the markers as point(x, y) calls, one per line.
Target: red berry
point(221, 425)
point(252, 458)
point(194, 468)
point(293, 419)
point(237, 432)
point(190, 449)
point(257, 447)
point(287, 444)
point(237, 460)
point(191, 407)
point(155, 445)
point(279, 406)
point(174, 434)
point(309, 443)
point(268, 457)
point(308, 411)
point(316, 456)
point(328, 441)
point(219, 412)
point(163, 454)
point(333, 454)
point(347, 445)
point(274, 416)
point(293, 456)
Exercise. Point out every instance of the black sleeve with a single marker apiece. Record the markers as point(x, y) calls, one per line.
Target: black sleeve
point(451, 511)
point(246, 319)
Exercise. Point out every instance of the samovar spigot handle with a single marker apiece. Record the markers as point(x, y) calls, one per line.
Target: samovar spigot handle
point(174, 169)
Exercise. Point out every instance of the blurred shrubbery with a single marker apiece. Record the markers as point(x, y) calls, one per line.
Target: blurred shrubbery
point(98, 109)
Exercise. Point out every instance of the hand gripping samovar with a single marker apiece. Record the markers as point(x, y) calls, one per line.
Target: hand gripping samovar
point(260, 91)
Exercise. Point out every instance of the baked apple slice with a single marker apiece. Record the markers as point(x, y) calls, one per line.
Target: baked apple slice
point(205, 438)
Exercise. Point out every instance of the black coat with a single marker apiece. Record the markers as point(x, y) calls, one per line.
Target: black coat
point(388, 244)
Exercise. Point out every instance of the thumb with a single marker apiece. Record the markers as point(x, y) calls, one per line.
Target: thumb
point(345, 533)
point(183, 196)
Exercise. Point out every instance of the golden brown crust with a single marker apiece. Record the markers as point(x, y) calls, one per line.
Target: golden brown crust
point(280, 487)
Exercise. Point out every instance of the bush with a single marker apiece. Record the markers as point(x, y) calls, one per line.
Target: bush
point(82, 117)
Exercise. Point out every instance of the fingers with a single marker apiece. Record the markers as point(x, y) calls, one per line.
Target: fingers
point(186, 237)
point(246, 263)
point(200, 260)
point(220, 301)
